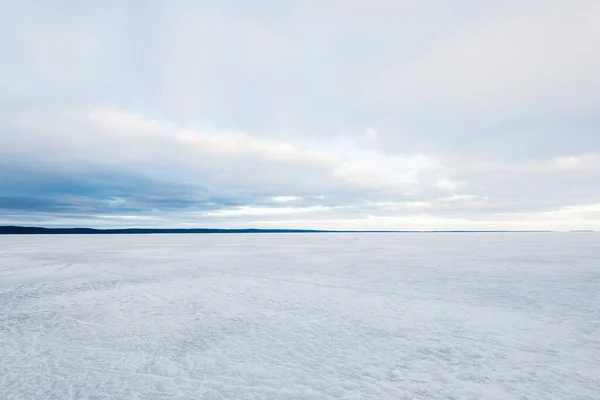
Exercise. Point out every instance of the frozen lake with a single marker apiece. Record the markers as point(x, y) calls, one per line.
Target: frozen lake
point(301, 316)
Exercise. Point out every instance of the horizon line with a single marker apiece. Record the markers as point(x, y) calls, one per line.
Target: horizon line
point(24, 230)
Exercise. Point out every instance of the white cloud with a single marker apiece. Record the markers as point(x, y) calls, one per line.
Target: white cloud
point(265, 211)
point(99, 137)
point(285, 199)
point(448, 185)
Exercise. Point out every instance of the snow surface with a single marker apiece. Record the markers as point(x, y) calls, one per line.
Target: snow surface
point(301, 316)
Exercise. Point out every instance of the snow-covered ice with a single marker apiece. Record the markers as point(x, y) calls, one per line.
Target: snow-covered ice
point(301, 316)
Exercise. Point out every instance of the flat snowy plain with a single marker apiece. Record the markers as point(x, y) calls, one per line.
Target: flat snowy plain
point(301, 316)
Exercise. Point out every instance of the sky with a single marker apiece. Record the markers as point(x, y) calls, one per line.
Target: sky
point(328, 114)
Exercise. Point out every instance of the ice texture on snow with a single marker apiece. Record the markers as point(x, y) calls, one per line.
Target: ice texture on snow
point(301, 316)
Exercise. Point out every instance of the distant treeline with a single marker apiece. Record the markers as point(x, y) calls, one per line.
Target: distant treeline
point(27, 230)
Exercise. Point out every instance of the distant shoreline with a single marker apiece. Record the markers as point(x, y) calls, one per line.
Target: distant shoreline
point(28, 230)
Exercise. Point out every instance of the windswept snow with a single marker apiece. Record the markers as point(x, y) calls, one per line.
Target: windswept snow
point(301, 316)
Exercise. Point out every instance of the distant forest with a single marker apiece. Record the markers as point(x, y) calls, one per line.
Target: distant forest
point(26, 230)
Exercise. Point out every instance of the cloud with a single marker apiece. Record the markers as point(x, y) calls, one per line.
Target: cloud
point(125, 163)
point(116, 167)
point(375, 114)
point(285, 199)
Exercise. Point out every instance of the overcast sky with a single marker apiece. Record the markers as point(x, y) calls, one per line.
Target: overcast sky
point(342, 114)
